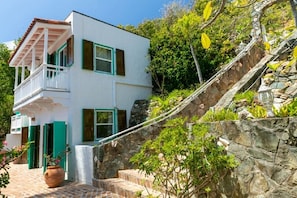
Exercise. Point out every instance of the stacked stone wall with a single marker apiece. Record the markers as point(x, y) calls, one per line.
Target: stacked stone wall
point(267, 157)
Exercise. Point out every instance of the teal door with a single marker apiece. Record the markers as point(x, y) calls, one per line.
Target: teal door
point(59, 140)
point(54, 141)
point(33, 151)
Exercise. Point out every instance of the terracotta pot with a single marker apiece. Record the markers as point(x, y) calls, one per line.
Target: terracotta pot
point(54, 176)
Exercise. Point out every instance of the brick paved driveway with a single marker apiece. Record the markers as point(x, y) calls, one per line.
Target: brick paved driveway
point(30, 183)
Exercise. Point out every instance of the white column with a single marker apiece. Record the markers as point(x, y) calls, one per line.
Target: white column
point(45, 46)
point(23, 71)
point(33, 60)
point(16, 77)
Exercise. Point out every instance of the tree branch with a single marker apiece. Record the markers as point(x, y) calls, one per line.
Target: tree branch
point(215, 16)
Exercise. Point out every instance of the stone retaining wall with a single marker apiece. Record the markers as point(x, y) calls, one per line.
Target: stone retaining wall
point(265, 148)
point(267, 153)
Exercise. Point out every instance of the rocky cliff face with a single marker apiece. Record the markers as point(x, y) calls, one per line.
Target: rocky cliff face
point(268, 162)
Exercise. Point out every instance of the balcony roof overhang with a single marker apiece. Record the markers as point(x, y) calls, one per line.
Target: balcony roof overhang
point(34, 38)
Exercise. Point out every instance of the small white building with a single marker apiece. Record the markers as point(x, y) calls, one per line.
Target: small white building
point(77, 80)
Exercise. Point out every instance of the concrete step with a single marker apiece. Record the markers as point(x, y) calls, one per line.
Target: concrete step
point(125, 188)
point(137, 177)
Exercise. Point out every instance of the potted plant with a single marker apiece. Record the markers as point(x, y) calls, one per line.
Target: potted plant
point(54, 174)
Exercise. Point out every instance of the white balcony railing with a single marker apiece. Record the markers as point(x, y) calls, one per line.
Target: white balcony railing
point(46, 77)
point(17, 122)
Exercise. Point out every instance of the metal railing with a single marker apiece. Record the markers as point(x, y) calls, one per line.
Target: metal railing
point(186, 101)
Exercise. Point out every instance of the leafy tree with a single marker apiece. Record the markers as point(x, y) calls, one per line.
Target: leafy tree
point(185, 161)
point(176, 44)
point(6, 91)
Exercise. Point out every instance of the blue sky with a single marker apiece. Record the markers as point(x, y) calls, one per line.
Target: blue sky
point(16, 15)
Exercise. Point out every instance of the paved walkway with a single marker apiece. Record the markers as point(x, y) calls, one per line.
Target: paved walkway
point(30, 183)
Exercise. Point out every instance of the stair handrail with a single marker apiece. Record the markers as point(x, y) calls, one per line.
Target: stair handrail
point(183, 103)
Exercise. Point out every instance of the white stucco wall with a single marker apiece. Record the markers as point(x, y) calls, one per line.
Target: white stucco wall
point(13, 140)
point(96, 90)
point(93, 90)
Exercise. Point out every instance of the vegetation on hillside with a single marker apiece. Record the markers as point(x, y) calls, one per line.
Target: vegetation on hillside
point(6, 91)
point(172, 63)
point(185, 161)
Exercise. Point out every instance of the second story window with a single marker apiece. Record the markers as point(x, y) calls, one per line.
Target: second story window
point(62, 56)
point(103, 59)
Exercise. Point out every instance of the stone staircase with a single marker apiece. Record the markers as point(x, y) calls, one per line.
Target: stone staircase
point(130, 183)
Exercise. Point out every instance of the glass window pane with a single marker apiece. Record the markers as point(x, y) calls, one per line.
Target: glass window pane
point(103, 66)
point(104, 131)
point(104, 117)
point(103, 53)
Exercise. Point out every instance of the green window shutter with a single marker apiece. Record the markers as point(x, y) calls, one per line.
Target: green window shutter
point(88, 124)
point(31, 149)
point(88, 60)
point(59, 142)
point(70, 50)
point(122, 120)
point(120, 56)
point(45, 140)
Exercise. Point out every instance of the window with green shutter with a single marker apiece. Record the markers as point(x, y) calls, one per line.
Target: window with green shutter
point(98, 124)
point(100, 58)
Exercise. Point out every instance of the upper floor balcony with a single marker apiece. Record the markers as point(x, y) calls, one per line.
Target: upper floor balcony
point(47, 77)
point(41, 63)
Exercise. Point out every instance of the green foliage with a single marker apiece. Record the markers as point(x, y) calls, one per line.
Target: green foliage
point(287, 110)
point(162, 104)
point(6, 91)
point(172, 65)
point(248, 96)
point(7, 156)
point(274, 66)
point(184, 161)
point(257, 111)
point(278, 20)
point(219, 115)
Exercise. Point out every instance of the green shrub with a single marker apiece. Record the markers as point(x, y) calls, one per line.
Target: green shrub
point(258, 111)
point(162, 104)
point(184, 161)
point(287, 110)
point(248, 96)
point(219, 115)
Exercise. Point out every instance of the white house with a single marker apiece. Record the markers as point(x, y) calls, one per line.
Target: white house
point(77, 80)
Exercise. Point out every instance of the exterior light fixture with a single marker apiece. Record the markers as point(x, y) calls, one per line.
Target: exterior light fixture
point(266, 97)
